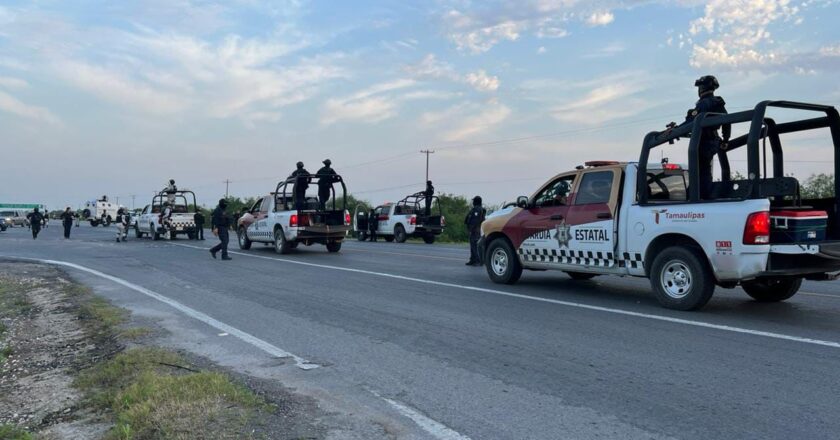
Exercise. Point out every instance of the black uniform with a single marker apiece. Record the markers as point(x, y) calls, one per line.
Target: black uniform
point(220, 223)
point(35, 220)
point(302, 179)
point(373, 225)
point(326, 177)
point(428, 193)
point(199, 225)
point(710, 140)
point(67, 218)
point(473, 221)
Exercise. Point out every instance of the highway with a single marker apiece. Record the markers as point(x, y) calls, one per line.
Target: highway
point(405, 337)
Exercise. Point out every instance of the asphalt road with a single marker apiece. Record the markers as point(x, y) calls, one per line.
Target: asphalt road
point(548, 358)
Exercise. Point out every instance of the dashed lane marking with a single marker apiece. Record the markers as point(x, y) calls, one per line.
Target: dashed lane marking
point(219, 325)
point(702, 324)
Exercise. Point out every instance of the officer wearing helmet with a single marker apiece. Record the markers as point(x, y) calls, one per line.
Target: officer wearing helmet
point(473, 222)
point(301, 181)
point(122, 221)
point(711, 142)
point(219, 223)
point(326, 177)
point(35, 218)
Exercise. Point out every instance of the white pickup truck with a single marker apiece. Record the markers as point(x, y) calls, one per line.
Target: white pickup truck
point(402, 220)
point(651, 221)
point(277, 219)
point(181, 222)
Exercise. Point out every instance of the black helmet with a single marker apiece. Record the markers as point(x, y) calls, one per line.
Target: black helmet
point(300, 165)
point(223, 203)
point(477, 200)
point(172, 181)
point(706, 83)
point(36, 209)
point(327, 162)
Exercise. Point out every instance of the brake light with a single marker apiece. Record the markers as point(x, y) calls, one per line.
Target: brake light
point(671, 166)
point(412, 220)
point(383, 218)
point(346, 218)
point(757, 229)
point(293, 220)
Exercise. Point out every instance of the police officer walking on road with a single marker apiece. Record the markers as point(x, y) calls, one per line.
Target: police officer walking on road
point(710, 141)
point(199, 224)
point(67, 218)
point(473, 221)
point(220, 222)
point(326, 177)
point(302, 179)
point(35, 219)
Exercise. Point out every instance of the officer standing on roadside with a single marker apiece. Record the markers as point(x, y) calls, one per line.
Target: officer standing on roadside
point(373, 224)
point(710, 141)
point(473, 221)
point(326, 177)
point(302, 179)
point(199, 224)
point(220, 222)
point(429, 193)
point(122, 225)
point(35, 219)
point(67, 218)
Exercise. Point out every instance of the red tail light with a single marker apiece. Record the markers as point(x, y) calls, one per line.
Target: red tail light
point(671, 166)
point(412, 220)
point(757, 229)
point(346, 218)
point(383, 218)
point(293, 220)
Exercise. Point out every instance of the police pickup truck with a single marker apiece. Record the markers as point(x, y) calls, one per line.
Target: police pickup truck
point(403, 220)
point(151, 221)
point(652, 221)
point(281, 220)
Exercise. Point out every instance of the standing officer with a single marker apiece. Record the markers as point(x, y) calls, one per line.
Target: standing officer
point(302, 179)
point(35, 219)
point(373, 225)
point(220, 222)
point(326, 177)
point(473, 221)
point(67, 218)
point(46, 218)
point(170, 189)
point(199, 224)
point(428, 193)
point(710, 141)
point(122, 225)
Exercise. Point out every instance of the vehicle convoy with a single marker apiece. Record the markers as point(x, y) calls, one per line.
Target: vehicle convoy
point(100, 212)
point(402, 220)
point(278, 220)
point(181, 206)
point(646, 220)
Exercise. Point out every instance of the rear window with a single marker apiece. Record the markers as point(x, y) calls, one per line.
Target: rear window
point(667, 186)
point(595, 187)
point(7, 214)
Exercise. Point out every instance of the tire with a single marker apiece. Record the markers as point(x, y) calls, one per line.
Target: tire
point(154, 233)
point(107, 221)
point(388, 238)
point(361, 236)
point(137, 233)
point(94, 223)
point(681, 278)
point(281, 246)
point(333, 246)
point(399, 234)
point(772, 289)
point(502, 263)
point(244, 242)
point(581, 276)
point(429, 239)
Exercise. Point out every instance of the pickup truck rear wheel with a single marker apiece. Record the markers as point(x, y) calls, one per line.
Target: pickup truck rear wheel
point(137, 233)
point(361, 236)
point(502, 263)
point(281, 246)
point(429, 238)
point(154, 233)
point(681, 278)
point(772, 289)
point(244, 242)
point(334, 246)
point(399, 234)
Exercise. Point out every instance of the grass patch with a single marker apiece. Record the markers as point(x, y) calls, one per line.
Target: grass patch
point(13, 300)
point(134, 333)
point(3, 328)
point(153, 393)
point(12, 432)
point(101, 314)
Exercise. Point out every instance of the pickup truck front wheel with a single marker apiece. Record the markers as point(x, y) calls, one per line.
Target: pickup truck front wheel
point(502, 264)
point(681, 279)
point(772, 289)
point(244, 242)
point(281, 246)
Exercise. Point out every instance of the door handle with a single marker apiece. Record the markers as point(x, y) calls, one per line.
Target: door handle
point(605, 215)
point(556, 217)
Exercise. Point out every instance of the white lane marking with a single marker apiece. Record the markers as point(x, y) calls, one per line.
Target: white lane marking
point(431, 426)
point(689, 322)
point(819, 294)
point(225, 328)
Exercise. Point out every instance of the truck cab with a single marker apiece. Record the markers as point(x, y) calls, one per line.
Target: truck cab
point(649, 220)
point(277, 219)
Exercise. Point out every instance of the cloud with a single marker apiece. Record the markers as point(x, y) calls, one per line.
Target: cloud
point(481, 81)
point(600, 18)
point(485, 118)
point(431, 68)
point(13, 83)
point(10, 104)
point(371, 105)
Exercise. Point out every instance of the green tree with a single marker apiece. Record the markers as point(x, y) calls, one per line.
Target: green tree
point(818, 186)
point(455, 209)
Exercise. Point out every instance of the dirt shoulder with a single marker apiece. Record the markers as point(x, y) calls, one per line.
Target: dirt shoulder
point(73, 366)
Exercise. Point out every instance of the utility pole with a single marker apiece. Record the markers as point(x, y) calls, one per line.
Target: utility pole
point(427, 153)
point(227, 186)
point(132, 202)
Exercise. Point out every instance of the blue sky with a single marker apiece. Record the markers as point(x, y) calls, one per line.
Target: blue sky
point(116, 97)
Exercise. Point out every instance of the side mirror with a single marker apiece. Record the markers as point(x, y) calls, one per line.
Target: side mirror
point(522, 202)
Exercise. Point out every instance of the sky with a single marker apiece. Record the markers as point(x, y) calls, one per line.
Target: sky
point(101, 97)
